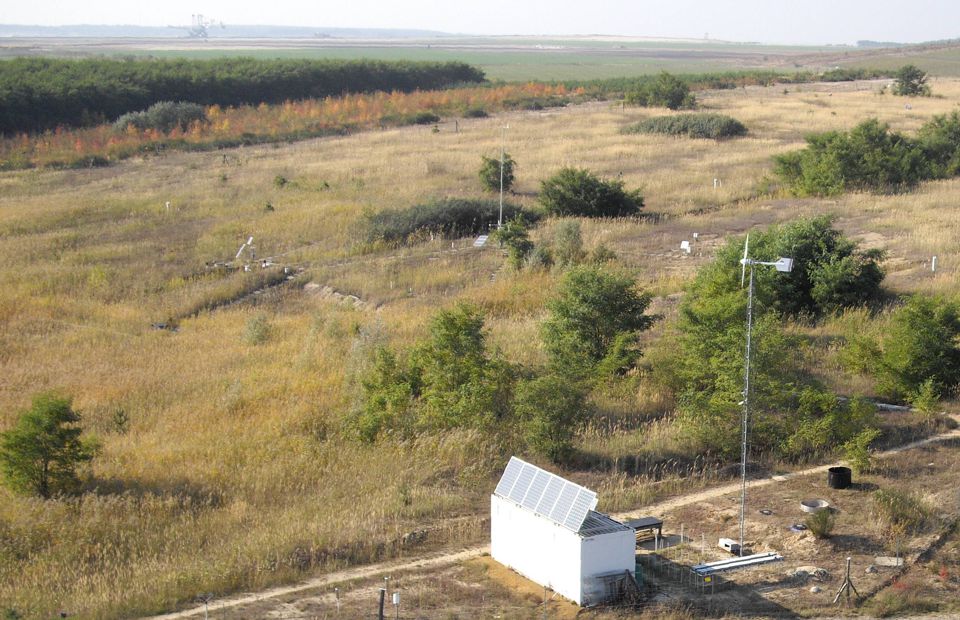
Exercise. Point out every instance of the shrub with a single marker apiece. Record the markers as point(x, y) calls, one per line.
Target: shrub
point(490, 176)
point(425, 118)
point(475, 113)
point(920, 349)
point(898, 512)
point(857, 450)
point(939, 139)
point(461, 384)
point(549, 409)
point(568, 244)
point(594, 310)
point(821, 523)
point(387, 405)
point(163, 116)
point(451, 218)
point(714, 126)
point(258, 330)
point(829, 271)
point(911, 81)
point(515, 237)
point(869, 157)
point(540, 258)
point(577, 192)
point(666, 91)
point(41, 453)
point(927, 399)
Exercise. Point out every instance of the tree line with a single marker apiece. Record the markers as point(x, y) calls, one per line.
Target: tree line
point(37, 94)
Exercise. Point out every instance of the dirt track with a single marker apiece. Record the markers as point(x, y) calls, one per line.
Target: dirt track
point(454, 557)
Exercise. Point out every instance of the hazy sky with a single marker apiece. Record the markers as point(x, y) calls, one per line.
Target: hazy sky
point(775, 21)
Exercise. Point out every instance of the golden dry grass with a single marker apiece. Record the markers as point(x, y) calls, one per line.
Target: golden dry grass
point(232, 466)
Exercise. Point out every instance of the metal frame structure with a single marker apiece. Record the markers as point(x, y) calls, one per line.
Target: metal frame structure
point(784, 265)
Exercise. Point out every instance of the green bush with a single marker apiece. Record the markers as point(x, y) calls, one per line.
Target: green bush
point(568, 244)
point(920, 348)
point(821, 523)
point(549, 410)
point(665, 91)
point(462, 385)
point(857, 450)
point(448, 381)
point(578, 192)
point(516, 239)
point(703, 358)
point(939, 139)
point(425, 118)
point(41, 453)
point(490, 177)
point(714, 126)
point(911, 82)
point(450, 218)
point(593, 315)
point(868, 157)
point(163, 116)
point(819, 423)
point(829, 271)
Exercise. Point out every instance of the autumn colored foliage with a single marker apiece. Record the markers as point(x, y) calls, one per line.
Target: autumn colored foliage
point(291, 120)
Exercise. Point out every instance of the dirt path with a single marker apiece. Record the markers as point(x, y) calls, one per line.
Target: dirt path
point(449, 558)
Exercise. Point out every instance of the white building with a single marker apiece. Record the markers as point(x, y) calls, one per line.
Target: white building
point(545, 528)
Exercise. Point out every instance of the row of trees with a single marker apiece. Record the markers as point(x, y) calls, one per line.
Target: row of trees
point(453, 380)
point(37, 94)
point(871, 157)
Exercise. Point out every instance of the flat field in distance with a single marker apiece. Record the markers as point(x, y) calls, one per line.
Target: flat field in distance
point(229, 472)
point(520, 58)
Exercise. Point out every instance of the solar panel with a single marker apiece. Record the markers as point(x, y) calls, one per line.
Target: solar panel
point(546, 494)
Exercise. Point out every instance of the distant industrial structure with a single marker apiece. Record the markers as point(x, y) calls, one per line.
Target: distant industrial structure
point(546, 529)
point(199, 27)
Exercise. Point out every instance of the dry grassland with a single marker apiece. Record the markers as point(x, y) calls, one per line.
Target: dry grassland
point(230, 473)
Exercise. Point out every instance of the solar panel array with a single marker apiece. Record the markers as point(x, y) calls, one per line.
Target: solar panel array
point(546, 494)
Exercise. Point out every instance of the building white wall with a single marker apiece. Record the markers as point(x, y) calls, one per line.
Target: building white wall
point(535, 547)
point(606, 554)
point(554, 556)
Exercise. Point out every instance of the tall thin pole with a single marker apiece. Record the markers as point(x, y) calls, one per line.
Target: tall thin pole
point(503, 138)
point(746, 409)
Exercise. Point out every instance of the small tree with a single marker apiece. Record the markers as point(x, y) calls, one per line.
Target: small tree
point(462, 385)
point(857, 450)
point(41, 453)
point(516, 239)
point(568, 244)
point(920, 348)
point(911, 81)
point(578, 192)
point(490, 173)
point(594, 311)
point(550, 408)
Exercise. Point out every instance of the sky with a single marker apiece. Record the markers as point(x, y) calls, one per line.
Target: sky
point(766, 21)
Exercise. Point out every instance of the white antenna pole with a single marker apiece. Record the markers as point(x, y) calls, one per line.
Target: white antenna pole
point(746, 405)
point(503, 134)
